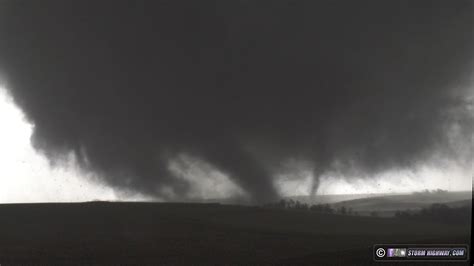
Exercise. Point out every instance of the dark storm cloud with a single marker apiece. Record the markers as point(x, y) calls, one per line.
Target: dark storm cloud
point(363, 86)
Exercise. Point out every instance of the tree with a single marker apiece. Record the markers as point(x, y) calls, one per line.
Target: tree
point(317, 208)
point(350, 211)
point(327, 209)
point(342, 210)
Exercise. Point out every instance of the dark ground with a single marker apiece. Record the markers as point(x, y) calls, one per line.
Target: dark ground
point(201, 234)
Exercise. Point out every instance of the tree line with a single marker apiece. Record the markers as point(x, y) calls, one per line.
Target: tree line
point(438, 212)
point(290, 204)
point(434, 212)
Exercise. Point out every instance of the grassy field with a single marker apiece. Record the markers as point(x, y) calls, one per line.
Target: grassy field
point(201, 234)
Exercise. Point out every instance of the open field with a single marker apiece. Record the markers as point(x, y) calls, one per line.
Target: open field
point(200, 234)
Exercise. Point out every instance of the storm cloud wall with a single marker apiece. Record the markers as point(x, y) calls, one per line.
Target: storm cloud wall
point(348, 86)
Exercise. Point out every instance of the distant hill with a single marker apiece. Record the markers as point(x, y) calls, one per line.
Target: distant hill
point(459, 203)
point(387, 205)
point(416, 199)
point(334, 198)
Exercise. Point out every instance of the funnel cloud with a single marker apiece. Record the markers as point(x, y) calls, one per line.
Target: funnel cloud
point(348, 86)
